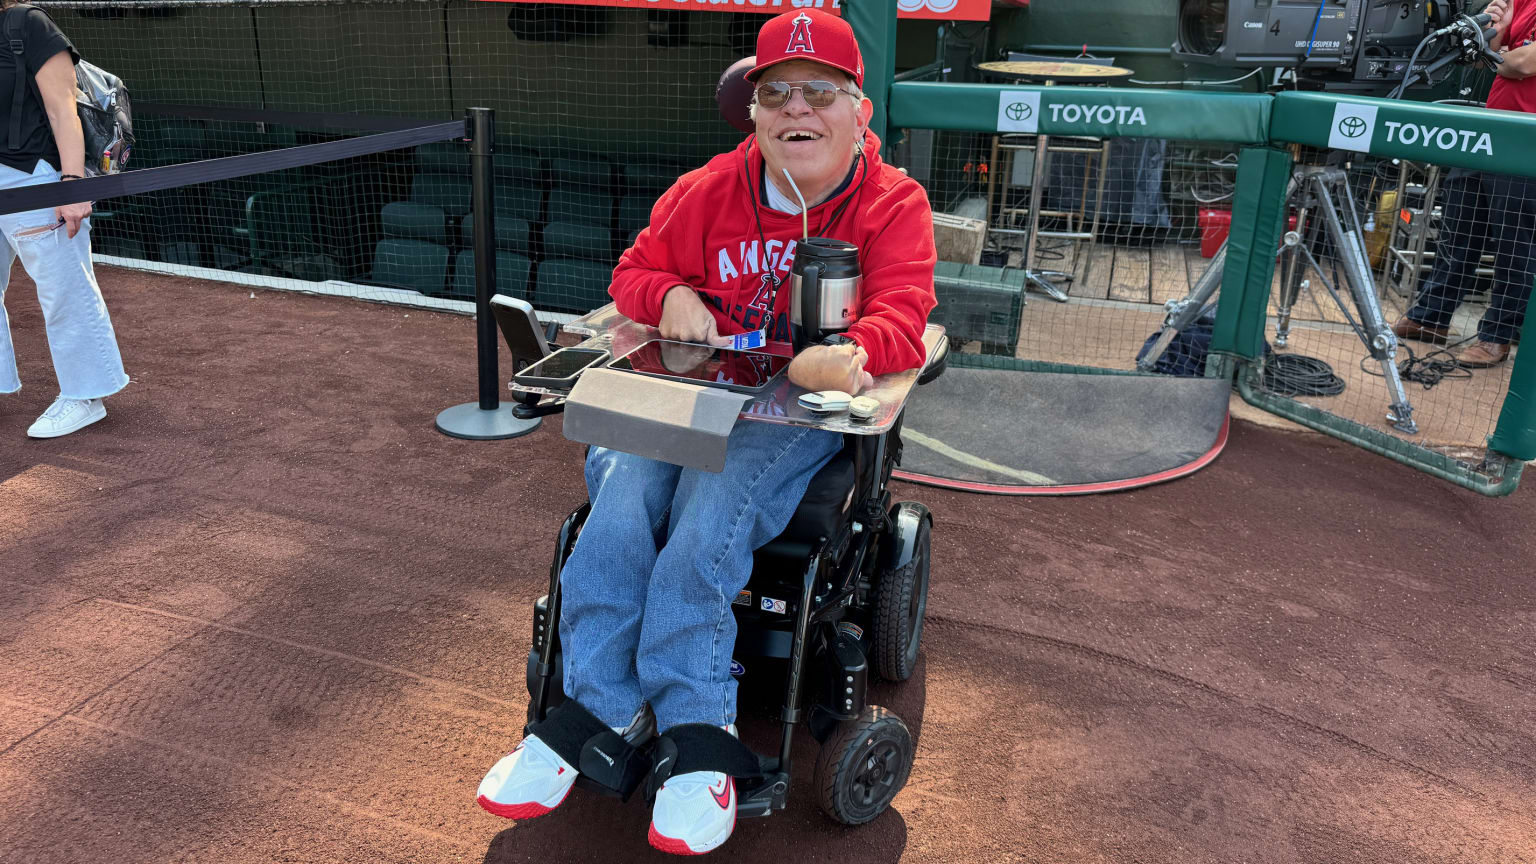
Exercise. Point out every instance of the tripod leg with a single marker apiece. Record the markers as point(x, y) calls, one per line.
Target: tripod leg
point(1349, 240)
point(1183, 313)
point(1293, 273)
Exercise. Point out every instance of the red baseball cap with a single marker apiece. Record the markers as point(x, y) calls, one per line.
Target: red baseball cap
point(808, 34)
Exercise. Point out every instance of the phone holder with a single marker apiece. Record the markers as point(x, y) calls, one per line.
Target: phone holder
point(537, 408)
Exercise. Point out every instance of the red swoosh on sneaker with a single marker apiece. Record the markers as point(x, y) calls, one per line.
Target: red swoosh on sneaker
point(723, 797)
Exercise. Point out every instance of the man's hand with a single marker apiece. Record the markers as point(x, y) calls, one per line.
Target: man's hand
point(71, 214)
point(831, 367)
point(1498, 19)
point(684, 317)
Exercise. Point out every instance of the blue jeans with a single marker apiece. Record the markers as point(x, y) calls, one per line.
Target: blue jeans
point(1482, 213)
point(646, 594)
point(80, 336)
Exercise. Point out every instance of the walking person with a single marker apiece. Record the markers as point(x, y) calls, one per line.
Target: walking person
point(41, 142)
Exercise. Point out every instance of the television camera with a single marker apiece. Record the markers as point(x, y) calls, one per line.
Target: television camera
point(1339, 45)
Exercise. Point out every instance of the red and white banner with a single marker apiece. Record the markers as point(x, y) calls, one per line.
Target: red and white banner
point(945, 10)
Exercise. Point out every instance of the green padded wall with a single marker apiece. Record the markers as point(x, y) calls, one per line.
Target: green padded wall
point(1098, 111)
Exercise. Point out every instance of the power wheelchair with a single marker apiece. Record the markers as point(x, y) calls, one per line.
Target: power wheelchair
point(841, 593)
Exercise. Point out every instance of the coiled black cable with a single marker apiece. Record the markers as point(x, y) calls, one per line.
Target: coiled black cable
point(1427, 370)
point(1297, 375)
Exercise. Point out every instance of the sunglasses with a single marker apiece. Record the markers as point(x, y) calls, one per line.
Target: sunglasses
point(817, 94)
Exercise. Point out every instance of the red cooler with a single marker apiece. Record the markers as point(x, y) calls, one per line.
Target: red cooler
point(1215, 225)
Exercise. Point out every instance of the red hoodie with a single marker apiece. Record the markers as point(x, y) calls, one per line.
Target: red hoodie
point(703, 233)
point(1508, 94)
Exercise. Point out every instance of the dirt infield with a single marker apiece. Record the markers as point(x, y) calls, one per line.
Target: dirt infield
point(264, 612)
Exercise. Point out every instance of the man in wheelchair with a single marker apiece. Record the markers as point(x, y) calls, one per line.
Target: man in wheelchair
point(646, 593)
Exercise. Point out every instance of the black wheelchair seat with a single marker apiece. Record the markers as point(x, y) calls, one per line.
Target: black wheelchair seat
point(824, 509)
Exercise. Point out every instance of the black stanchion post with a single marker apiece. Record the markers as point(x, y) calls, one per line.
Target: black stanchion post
point(487, 419)
point(483, 204)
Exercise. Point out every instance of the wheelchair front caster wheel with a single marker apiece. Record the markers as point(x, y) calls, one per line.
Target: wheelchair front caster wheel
point(863, 765)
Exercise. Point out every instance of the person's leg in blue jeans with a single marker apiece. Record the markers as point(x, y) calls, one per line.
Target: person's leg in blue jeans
point(603, 584)
point(1462, 240)
point(602, 597)
point(1513, 270)
point(717, 521)
point(641, 625)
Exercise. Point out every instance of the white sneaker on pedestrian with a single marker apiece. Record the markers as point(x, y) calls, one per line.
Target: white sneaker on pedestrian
point(65, 416)
point(530, 781)
point(695, 812)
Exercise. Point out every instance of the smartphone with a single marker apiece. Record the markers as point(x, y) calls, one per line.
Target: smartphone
point(520, 328)
point(560, 370)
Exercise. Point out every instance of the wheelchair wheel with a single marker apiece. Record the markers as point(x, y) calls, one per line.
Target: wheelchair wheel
point(901, 599)
point(863, 765)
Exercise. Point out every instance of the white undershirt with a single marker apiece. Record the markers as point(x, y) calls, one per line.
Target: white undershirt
point(779, 201)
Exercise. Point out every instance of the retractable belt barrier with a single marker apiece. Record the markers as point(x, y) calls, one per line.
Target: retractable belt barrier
point(299, 119)
point(209, 170)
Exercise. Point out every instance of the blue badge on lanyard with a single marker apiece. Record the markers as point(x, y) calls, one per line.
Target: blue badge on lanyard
point(749, 341)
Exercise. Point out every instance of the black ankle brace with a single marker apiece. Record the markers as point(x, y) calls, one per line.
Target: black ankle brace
point(598, 753)
point(699, 747)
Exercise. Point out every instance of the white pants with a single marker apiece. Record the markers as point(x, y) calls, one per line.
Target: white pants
point(80, 337)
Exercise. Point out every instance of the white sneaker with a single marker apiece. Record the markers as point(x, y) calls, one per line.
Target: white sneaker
point(694, 813)
point(530, 781)
point(65, 416)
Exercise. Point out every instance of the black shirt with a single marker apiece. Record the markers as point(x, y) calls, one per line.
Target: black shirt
point(41, 39)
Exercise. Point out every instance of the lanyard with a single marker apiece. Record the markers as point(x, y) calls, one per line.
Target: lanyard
point(774, 281)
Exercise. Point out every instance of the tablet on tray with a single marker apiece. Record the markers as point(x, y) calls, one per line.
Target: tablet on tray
point(741, 371)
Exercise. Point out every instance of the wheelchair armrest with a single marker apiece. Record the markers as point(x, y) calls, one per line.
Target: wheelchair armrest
point(937, 363)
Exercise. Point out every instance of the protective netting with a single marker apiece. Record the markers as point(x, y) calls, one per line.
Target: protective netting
point(598, 111)
point(1133, 222)
point(1450, 268)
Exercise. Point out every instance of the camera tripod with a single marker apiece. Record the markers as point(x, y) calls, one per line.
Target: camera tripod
point(1325, 216)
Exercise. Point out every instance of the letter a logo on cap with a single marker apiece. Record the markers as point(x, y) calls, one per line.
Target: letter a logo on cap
point(800, 37)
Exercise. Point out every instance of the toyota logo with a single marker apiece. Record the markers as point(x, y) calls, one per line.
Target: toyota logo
point(1352, 127)
point(1019, 111)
